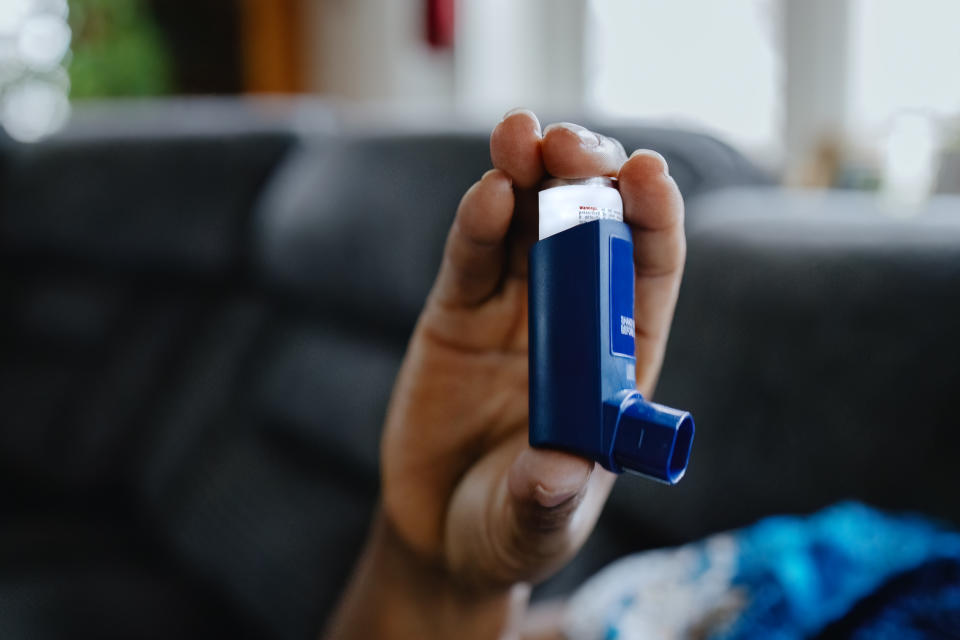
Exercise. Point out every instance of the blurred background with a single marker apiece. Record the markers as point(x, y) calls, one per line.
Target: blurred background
point(849, 93)
point(219, 221)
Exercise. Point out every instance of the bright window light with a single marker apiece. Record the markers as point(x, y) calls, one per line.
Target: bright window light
point(710, 65)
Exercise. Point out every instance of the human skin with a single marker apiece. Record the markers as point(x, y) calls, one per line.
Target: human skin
point(470, 515)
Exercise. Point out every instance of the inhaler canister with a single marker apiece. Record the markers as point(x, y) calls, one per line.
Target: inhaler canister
point(583, 396)
point(567, 203)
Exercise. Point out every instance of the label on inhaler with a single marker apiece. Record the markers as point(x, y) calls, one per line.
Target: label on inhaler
point(622, 331)
point(569, 205)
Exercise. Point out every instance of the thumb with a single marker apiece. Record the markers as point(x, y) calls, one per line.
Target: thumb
point(546, 485)
point(522, 513)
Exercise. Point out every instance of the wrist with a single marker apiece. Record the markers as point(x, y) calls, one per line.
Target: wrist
point(396, 593)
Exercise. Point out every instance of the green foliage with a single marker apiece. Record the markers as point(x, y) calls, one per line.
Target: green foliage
point(117, 51)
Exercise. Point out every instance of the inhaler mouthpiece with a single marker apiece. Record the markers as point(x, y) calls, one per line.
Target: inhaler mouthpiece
point(649, 438)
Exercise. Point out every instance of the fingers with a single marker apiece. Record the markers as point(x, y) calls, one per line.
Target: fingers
point(474, 258)
point(653, 207)
point(515, 148)
point(564, 150)
point(474, 255)
point(571, 151)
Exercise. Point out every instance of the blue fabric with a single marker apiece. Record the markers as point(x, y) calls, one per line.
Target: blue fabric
point(846, 572)
point(921, 603)
point(803, 573)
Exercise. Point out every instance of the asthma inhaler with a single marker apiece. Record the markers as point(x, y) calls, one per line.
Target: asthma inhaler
point(583, 396)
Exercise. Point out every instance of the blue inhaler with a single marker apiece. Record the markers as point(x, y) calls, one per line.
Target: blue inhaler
point(583, 396)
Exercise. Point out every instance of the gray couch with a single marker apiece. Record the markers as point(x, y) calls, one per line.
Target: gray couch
point(205, 303)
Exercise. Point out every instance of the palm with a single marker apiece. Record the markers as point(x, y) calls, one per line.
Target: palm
point(464, 386)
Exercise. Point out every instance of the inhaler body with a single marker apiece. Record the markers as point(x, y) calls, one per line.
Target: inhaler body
point(583, 396)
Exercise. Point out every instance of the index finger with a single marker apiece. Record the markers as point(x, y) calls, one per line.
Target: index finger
point(572, 151)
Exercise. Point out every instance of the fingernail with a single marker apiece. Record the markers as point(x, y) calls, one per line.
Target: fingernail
point(653, 154)
point(549, 499)
point(559, 476)
point(517, 110)
point(525, 111)
point(587, 138)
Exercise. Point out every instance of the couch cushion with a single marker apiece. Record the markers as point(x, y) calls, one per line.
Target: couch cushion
point(356, 225)
point(156, 194)
point(88, 575)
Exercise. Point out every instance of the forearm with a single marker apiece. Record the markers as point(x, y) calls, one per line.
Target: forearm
point(395, 594)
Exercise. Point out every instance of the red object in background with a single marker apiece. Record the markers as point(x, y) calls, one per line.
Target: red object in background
point(440, 23)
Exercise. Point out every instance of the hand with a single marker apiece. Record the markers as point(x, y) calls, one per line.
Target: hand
point(464, 496)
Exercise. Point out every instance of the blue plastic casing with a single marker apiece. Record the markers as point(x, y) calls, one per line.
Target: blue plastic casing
point(583, 396)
